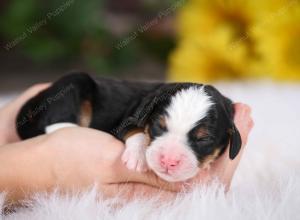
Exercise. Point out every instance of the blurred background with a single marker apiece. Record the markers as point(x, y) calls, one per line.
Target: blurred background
point(176, 40)
point(249, 49)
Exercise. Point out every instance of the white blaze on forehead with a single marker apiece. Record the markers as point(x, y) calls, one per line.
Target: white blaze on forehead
point(187, 107)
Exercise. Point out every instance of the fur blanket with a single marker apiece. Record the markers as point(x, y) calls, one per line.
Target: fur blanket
point(266, 184)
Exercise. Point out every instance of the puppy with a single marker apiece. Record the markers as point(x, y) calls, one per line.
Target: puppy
point(175, 129)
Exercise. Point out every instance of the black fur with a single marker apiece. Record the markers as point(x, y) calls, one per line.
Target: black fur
point(119, 106)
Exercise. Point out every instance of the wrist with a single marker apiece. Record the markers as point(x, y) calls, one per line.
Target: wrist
point(8, 133)
point(3, 137)
point(25, 169)
point(3, 131)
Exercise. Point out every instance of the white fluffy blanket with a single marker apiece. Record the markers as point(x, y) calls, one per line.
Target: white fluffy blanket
point(266, 185)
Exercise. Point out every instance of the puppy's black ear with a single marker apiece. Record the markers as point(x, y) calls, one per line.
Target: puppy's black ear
point(234, 135)
point(235, 141)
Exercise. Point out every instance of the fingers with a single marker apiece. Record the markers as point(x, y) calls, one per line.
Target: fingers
point(129, 191)
point(244, 124)
point(148, 178)
point(125, 175)
point(110, 151)
point(224, 168)
point(243, 120)
point(29, 93)
point(9, 113)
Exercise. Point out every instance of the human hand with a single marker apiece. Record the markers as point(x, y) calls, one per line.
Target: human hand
point(224, 168)
point(8, 114)
point(97, 156)
point(52, 154)
point(91, 156)
point(94, 157)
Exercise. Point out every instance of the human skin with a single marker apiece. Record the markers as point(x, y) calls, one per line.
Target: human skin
point(78, 158)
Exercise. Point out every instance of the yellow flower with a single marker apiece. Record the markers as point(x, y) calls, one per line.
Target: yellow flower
point(279, 45)
point(194, 60)
point(226, 39)
point(205, 16)
point(214, 42)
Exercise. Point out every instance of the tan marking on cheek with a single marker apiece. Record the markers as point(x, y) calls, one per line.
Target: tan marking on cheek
point(86, 112)
point(135, 131)
point(146, 131)
point(210, 158)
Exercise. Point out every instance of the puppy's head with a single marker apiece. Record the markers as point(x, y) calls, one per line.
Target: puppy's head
point(188, 131)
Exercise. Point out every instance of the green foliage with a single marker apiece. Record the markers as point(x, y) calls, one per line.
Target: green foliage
point(67, 29)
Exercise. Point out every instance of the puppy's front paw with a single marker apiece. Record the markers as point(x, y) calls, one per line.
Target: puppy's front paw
point(135, 159)
point(134, 156)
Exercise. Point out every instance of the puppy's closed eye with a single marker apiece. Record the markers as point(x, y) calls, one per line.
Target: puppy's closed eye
point(202, 134)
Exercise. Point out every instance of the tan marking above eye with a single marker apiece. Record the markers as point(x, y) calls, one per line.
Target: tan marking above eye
point(210, 158)
point(86, 112)
point(162, 121)
point(201, 133)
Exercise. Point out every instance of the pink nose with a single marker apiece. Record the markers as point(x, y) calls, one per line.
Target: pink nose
point(169, 162)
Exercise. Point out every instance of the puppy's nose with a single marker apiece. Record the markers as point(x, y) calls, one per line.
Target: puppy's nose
point(169, 162)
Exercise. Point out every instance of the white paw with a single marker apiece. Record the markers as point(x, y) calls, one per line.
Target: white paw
point(134, 156)
point(54, 127)
point(134, 159)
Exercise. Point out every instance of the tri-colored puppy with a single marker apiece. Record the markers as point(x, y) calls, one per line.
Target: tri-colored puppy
point(175, 129)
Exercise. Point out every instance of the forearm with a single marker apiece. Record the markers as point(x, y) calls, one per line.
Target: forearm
point(24, 169)
point(8, 131)
point(4, 130)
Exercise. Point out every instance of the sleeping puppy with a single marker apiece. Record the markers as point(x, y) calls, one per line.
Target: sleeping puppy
point(175, 129)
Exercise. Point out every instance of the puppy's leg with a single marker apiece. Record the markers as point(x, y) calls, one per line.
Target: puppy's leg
point(68, 100)
point(134, 156)
point(54, 127)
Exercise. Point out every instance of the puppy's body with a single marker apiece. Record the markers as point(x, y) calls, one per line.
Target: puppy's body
point(177, 128)
point(111, 102)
